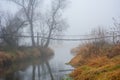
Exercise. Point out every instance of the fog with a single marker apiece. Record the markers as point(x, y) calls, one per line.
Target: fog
point(84, 15)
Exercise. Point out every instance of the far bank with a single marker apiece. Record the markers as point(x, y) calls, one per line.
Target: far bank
point(9, 57)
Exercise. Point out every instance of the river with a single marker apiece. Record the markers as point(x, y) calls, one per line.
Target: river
point(53, 69)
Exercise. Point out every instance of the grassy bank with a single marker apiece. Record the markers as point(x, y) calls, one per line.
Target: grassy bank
point(101, 63)
point(8, 57)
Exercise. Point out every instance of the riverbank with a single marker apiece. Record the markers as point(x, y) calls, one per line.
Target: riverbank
point(105, 65)
point(8, 57)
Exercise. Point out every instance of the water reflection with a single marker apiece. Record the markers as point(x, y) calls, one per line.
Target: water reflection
point(39, 69)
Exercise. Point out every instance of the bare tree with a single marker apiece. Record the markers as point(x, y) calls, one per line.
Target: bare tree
point(116, 25)
point(53, 20)
point(29, 7)
point(100, 35)
point(116, 31)
point(43, 32)
point(9, 29)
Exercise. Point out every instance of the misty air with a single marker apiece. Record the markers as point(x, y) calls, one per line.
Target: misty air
point(59, 40)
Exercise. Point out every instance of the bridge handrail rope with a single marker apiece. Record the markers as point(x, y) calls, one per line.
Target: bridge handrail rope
point(66, 39)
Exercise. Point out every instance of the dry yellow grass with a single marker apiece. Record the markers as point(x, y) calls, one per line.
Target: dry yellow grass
point(108, 71)
point(97, 61)
point(21, 55)
point(92, 66)
point(6, 56)
point(76, 61)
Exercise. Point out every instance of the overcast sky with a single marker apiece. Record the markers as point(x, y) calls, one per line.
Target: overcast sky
point(84, 15)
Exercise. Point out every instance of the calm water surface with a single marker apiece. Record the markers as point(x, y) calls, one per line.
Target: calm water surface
point(47, 69)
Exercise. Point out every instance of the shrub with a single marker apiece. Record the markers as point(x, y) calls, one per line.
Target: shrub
point(114, 51)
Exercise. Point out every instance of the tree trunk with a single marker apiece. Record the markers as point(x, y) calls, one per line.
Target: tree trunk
point(48, 39)
point(32, 34)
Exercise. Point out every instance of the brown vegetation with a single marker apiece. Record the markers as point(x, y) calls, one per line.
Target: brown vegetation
point(97, 63)
point(7, 57)
point(115, 50)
